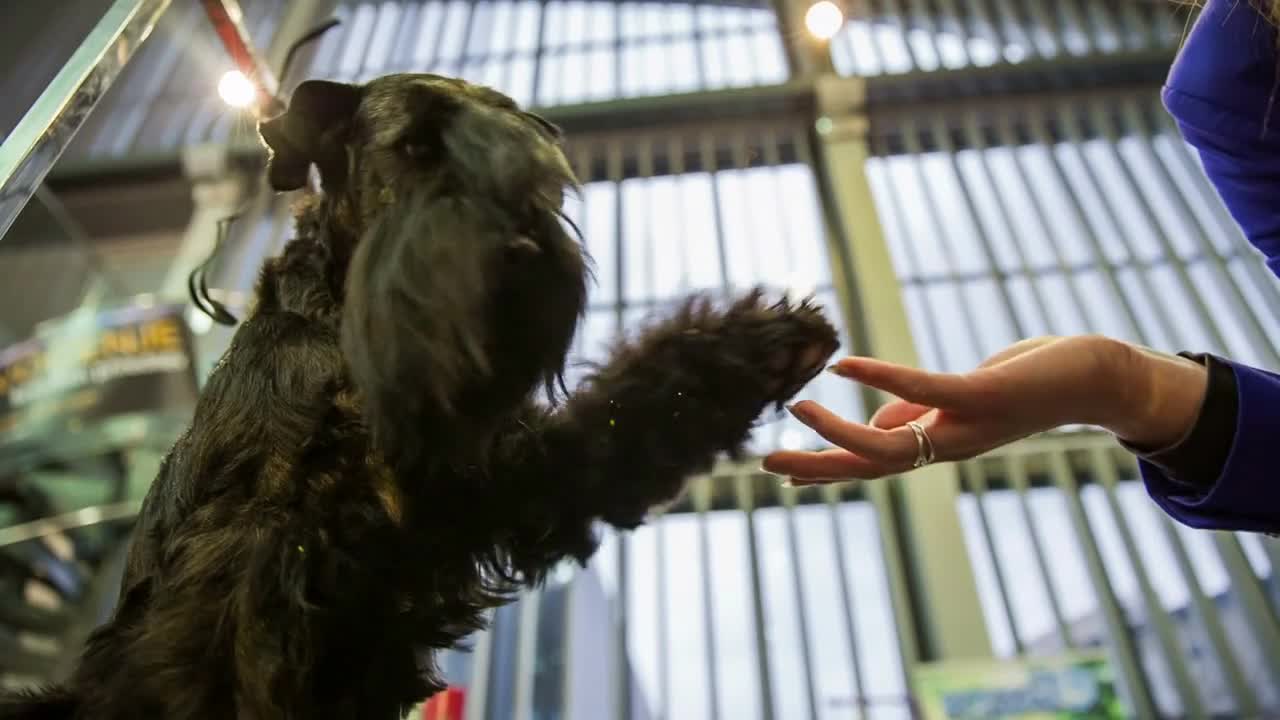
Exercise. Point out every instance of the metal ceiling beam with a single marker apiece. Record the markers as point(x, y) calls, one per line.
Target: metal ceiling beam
point(886, 99)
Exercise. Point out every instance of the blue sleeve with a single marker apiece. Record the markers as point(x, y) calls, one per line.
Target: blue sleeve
point(1222, 92)
point(1246, 495)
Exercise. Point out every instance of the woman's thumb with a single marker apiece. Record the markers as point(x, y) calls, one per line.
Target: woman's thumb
point(897, 413)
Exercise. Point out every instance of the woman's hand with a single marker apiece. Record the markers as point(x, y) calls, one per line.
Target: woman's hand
point(1145, 398)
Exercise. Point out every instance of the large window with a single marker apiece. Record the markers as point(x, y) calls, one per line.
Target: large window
point(1109, 232)
point(898, 36)
point(692, 635)
point(1093, 217)
point(561, 52)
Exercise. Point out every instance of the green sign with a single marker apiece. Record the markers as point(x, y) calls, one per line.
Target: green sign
point(1071, 687)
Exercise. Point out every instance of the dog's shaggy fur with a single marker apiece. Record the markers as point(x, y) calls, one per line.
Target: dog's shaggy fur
point(369, 468)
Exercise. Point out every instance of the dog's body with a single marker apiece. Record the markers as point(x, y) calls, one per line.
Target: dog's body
point(368, 470)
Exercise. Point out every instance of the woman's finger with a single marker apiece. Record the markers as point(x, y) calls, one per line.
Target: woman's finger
point(939, 390)
point(824, 466)
point(891, 446)
point(896, 414)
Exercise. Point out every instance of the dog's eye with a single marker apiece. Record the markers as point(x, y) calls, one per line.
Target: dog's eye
point(416, 150)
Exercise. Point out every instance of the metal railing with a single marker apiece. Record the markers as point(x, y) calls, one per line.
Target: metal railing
point(29, 152)
point(1057, 522)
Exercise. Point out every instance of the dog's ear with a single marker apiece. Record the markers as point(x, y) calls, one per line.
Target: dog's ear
point(310, 133)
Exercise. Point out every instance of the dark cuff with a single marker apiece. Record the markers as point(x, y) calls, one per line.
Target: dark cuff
point(1198, 458)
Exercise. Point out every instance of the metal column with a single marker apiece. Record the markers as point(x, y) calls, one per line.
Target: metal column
point(942, 591)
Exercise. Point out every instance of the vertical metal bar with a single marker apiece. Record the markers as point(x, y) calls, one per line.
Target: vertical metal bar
point(792, 40)
point(540, 53)
point(1017, 471)
point(707, 149)
point(365, 70)
point(617, 48)
point(899, 214)
point(974, 137)
point(746, 501)
point(466, 36)
point(664, 652)
point(1040, 133)
point(1009, 139)
point(1272, 548)
point(894, 11)
point(1102, 121)
point(701, 496)
point(925, 19)
point(1040, 15)
point(1175, 656)
point(622, 660)
point(1076, 136)
point(477, 706)
point(569, 662)
point(942, 140)
point(1121, 635)
point(1071, 15)
point(438, 41)
point(1096, 20)
point(37, 141)
point(1138, 128)
point(831, 493)
point(622, 666)
point(507, 55)
point(699, 65)
point(1262, 616)
point(977, 483)
point(1246, 699)
point(935, 597)
point(405, 38)
point(527, 654)
point(986, 14)
point(1013, 19)
point(963, 30)
point(788, 501)
point(874, 18)
point(933, 214)
point(1141, 36)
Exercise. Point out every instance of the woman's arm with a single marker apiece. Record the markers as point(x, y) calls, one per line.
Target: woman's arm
point(1223, 476)
point(1164, 404)
point(1222, 91)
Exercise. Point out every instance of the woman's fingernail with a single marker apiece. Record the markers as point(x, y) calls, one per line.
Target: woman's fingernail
point(835, 370)
point(799, 411)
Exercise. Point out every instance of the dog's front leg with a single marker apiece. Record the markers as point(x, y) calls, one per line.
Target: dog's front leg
point(661, 409)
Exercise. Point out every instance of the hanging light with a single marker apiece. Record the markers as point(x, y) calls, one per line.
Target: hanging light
point(824, 19)
point(237, 90)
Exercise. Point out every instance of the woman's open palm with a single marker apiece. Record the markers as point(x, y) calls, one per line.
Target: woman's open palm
point(1031, 386)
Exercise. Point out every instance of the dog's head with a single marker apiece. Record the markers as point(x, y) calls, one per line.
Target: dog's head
point(441, 210)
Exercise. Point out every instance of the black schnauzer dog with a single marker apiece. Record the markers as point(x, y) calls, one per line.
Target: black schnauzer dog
point(371, 466)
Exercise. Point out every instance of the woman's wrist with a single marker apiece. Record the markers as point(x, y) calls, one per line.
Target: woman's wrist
point(1157, 397)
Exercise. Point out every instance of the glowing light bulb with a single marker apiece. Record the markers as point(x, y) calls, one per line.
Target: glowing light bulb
point(236, 90)
point(824, 19)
